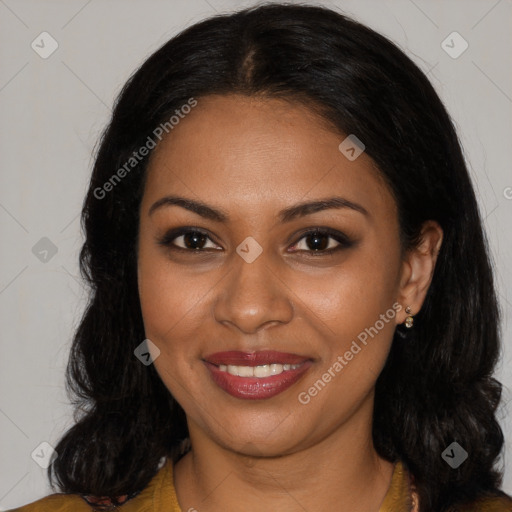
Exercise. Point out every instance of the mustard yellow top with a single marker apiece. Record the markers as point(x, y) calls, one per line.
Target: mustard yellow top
point(160, 496)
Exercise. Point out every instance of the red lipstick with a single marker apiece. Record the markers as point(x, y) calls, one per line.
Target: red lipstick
point(256, 375)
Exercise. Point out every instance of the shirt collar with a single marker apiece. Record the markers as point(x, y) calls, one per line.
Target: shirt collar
point(398, 498)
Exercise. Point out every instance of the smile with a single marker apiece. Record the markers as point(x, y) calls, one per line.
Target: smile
point(258, 371)
point(256, 375)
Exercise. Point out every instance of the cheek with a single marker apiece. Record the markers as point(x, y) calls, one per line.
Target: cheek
point(162, 302)
point(168, 307)
point(159, 299)
point(168, 298)
point(353, 307)
point(352, 296)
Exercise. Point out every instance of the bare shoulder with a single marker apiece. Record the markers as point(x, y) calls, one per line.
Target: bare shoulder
point(56, 503)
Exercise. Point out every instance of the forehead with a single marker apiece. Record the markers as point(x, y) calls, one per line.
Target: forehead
point(260, 150)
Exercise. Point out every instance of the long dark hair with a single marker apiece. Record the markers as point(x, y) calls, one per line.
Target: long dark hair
point(437, 385)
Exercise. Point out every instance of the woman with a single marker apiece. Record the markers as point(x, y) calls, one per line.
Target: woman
point(292, 304)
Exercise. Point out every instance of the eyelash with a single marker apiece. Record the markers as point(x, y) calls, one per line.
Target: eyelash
point(342, 239)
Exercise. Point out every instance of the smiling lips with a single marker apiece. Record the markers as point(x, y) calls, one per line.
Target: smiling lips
point(256, 375)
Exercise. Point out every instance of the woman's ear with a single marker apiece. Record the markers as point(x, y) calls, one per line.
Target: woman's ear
point(418, 269)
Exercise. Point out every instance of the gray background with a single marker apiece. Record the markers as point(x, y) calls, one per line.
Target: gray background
point(53, 110)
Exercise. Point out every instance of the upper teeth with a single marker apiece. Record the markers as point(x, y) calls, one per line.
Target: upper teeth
point(265, 370)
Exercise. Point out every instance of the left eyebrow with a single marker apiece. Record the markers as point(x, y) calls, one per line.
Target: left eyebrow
point(307, 208)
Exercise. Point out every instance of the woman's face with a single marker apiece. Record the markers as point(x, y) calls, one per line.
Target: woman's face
point(249, 293)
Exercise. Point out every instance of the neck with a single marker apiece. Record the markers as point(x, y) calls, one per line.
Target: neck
point(340, 472)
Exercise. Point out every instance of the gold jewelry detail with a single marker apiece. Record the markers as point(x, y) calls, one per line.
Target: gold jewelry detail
point(409, 320)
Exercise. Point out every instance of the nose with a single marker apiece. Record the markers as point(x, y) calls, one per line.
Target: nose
point(252, 296)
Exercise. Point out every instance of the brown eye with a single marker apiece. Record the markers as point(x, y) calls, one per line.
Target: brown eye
point(186, 239)
point(322, 241)
point(318, 241)
point(193, 240)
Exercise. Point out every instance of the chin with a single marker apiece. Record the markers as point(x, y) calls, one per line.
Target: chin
point(273, 438)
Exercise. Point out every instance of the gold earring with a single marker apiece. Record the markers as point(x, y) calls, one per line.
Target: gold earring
point(409, 320)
